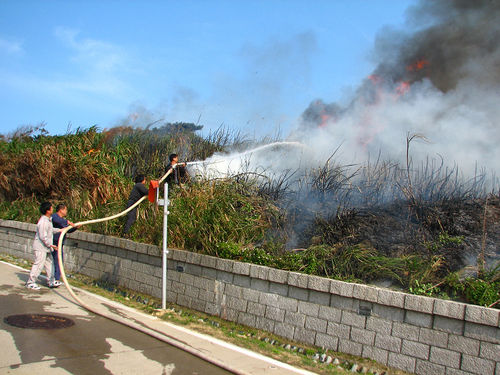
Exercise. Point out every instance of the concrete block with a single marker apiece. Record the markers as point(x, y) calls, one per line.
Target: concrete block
point(482, 315)
point(225, 265)
point(307, 308)
point(434, 338)
point(198, 304)
point(339, 330)
point(208, 261)
point(275, 314)
point(264, 324)
point(448, 325)
point(260, 285)
point(246, 319)
point(327, 342)
point(230, 314)
point(269, 299)
point(419, 303)
point(353, 319)
point(379, 325)
point(194, 258)
point(341, 288)
point(256, 308)
point(489, 351)
point(401, 361)
point(319, 284)
point(365, 292)
point(464, 345)
point(209, 273)
point(206, 296)
point(233, 290)
point(390, 343)
point(297, 279)
point(415, 349)
point(298, 293)
point(389, 298)
point(405, 331)
point(330, 314)
point(377, 354)
point(418, 319)
point(350, 347)
point(304, 335)
point(362, 336)
point(444, 357)
point(427, 368)
point(284, 330)
point(477, 365)
point(259, 272)
point(241, 268)
point(482, 332)
point(316, 324)
point(295, 319)
point(224, 276)
point(342, 303)
point(280, 289)
point(288, 304)
point(251, 295)
point(240, 280)
point(319, 298)
point(388, 312)
point(278, 276)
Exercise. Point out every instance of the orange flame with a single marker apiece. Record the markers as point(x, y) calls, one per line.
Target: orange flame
point(419, 65)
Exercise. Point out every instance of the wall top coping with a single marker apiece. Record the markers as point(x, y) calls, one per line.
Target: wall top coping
point(433, 306)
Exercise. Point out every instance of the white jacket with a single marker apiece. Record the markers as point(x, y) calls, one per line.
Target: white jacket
point(44, 234)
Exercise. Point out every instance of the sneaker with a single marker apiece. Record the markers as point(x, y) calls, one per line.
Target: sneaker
point(33, 286)
point(55, 284)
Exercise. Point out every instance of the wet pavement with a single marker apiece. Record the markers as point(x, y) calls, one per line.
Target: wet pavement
point(96, 345)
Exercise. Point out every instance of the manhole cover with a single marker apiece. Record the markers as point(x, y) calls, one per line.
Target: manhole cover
point(38, 321)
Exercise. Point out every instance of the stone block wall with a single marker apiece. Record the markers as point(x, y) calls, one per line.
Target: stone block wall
point(417, 334)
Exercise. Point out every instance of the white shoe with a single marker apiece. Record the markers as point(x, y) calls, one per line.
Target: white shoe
point(57, 283)
point(33, 286)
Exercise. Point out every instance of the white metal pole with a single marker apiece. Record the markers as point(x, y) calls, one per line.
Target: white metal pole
point(165, 250)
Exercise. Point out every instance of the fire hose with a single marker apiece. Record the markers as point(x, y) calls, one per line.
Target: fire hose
point(162, 337)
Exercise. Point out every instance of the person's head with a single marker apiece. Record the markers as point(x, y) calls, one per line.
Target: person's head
point(174, 158)
point(62, 209)
point(139, 178)
point(46, 208)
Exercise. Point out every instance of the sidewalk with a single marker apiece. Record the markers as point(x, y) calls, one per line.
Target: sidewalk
point(96, 345)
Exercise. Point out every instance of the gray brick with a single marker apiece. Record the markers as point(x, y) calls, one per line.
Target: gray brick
point(259, 272)
point(353, 319)
point(341, 288)
point(281, 289)
point(206, 296)
point(224, 265)
point(415, 349)
point(489, 351)
point(319, 284)
point(275, 314)
point(419, 303)
point(390, 343)
point(379, 325)
point(241, 268)
point(288, 304)
point(418, 319)
point(390, 298)
point(179, 255)
point(343, 303)
point(405, 331)
point(297, 279)
point(233, 290)
point(316, 324)
point(330, 313)
point(362, 336)
point(269, 299)
point(298, 293)
point(377, 354)
point(444, 357)
point(278, 276)
point(463, 345)
point(454, 371)
point(365, 292)
point(225, 276)
point(427, 368)
point(209, 273)
point(284, 330)
point(435, 338)
point(327, 342)
point(230, 314)
point(251, 295)
point(295, 319)
point(260, 285)
point(338, 330)
point(319, 298)
point(387, 312)
point(256, 308)
point(449, 309)
point(208, 261)
point(402, 362)
point(482, 315)
point(304, 335)
point(350, 347)
point(191, 291)
point(237, 304)
point(477, 365)
point(449, 325)
point(309, 309)
point(246, 319)
point(243, 281)
point(482, 332)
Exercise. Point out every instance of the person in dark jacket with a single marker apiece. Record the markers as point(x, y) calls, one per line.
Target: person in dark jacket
point(179, 173)
point(59, 221)
point(138, 191)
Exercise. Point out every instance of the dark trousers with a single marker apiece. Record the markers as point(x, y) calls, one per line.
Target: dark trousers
point(57, 270)
point(131, 217)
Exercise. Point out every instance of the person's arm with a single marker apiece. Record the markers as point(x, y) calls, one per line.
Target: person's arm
point(43, 233)
point(143, 190)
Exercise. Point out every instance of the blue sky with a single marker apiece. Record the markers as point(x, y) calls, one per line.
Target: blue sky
point(252, 65)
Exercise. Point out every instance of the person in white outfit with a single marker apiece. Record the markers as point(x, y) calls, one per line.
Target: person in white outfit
point(42, 246)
